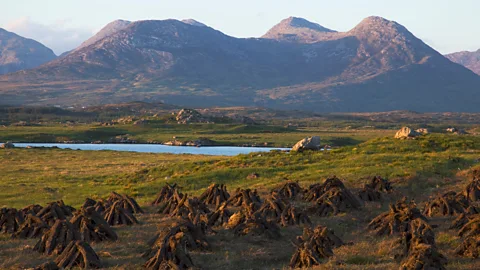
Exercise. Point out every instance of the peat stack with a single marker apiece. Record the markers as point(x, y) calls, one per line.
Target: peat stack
point(32, 209)
point(55, 211)
point(170, 255)
point(187, 207)
point(293, 216)
point(448, 204)
point(220, 216)
point(314, 246)
point(289, 190)
point(165, 194)
point(372, 191)
point(245, 197)
point(117, 215)
point(471, 228)
point(278, 210)
point(424, 256)
point(185, 233)
point(470, 247)
point(92, 226)
point(167, 207)
point(247, 223)
point(57, 238)
point(331, 197)
point(124, 201)
point(335, 200)
point(315, 191)
point(78, 254)
point(397, 219)
point(100, 206)
point(215, 195)
point(472, 190)
point(10, 220)
point(417, 232)
point(32, 227)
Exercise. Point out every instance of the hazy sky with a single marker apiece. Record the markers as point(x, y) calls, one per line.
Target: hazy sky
point(446, 25)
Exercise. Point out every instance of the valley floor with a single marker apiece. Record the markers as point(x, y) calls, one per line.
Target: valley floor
point(428, 166)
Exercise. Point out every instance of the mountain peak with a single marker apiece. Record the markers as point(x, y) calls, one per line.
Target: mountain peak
point(106, 31)
point(379, 23)
point(470, 60)
point(297, 22)
point(300, 30)
point(17, 52)
point(193, 22)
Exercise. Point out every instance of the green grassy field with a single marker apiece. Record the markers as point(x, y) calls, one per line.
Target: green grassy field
point(429, 165)
point(222, 134)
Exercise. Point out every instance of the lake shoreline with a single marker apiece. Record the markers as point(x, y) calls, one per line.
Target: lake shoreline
point(153, 148)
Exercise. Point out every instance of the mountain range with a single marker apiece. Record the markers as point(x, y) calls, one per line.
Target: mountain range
point(17, 53)
point(376, 66)
point(470, 60)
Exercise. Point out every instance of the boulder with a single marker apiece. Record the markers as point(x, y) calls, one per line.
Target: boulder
point(7, 145)
point(186, 116)
point(455, 130)
point(406, 133)
point(422, 131)
point(309, 143)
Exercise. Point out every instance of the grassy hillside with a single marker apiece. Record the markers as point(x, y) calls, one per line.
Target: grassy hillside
point(417, 168)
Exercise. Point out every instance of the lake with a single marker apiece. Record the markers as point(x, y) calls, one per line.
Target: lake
point(157, 148)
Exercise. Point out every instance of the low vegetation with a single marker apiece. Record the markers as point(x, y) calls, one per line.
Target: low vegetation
point(243, 221)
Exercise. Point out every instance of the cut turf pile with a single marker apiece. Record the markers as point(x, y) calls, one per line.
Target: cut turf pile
point(470, 247)
point(10, 220)
point(32, 227)
point(117, 215)
point(470, 228)
point(124, 201)
point(424, 257)
point(165, 194)
point(448, 204)
point(289, 190)
point(373, 190)
point(247, 222)
point(92, 226)
point(397, 219)
point(331, 198)
point(78, 254)
point(169, 248)
point(472, 190)
point(188, 207)
point(220, 216)
point(215, 195)
point(55, 211)
point(276, 208)
point(32, 209)
point(313, 247)
point(245, 197)
point(55, 240)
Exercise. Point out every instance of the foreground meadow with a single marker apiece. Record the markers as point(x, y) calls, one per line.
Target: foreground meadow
point(420, 168)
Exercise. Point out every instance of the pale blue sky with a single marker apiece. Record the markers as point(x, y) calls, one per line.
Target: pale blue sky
point(446, 25)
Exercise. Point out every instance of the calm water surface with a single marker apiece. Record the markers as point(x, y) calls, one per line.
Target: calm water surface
point(157, 148)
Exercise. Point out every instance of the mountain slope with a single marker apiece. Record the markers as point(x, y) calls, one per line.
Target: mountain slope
point(470, 60)
point(377, 66)
point(106, 31)
point(17, 53)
